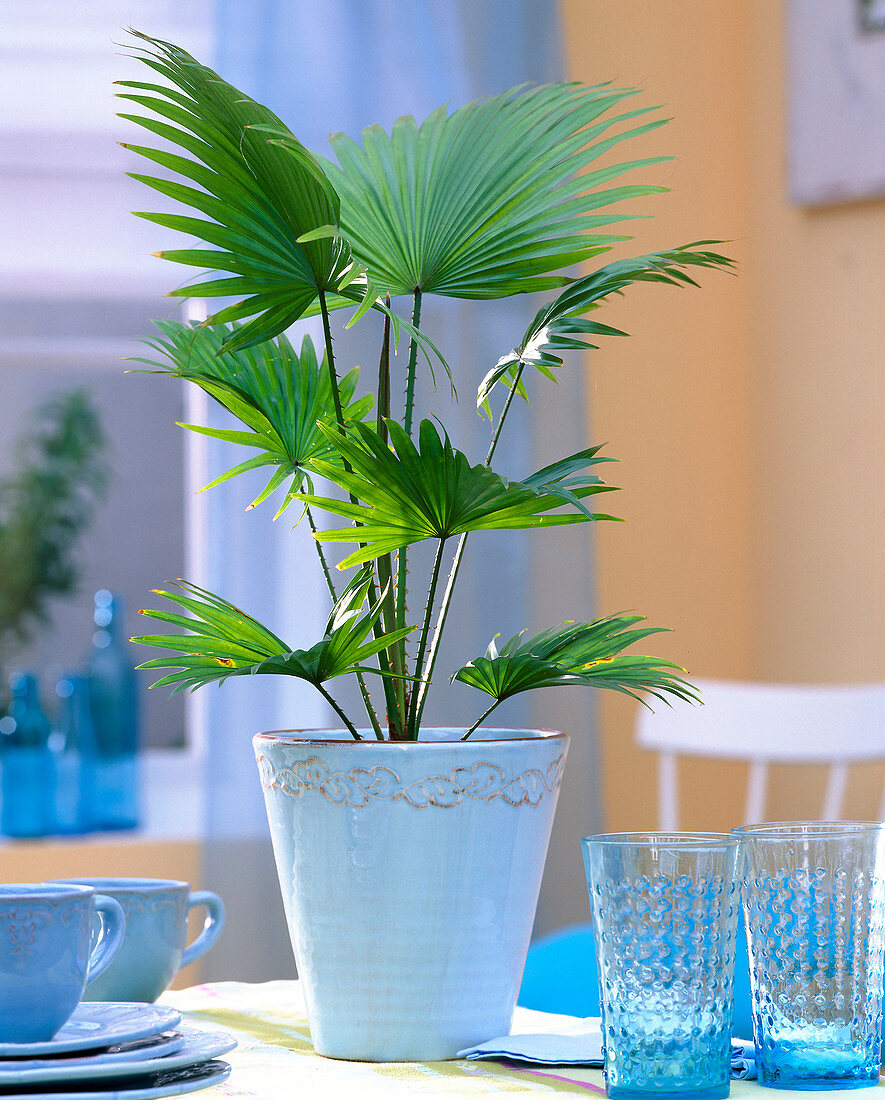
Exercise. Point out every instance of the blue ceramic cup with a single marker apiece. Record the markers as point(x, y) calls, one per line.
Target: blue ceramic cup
point(48, 948)
point(154, 949)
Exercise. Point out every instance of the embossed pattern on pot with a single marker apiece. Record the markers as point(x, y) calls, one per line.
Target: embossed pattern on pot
point(482, 781)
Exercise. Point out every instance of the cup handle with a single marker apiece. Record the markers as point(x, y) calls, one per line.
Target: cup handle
point(212, 925)
point(110, 937)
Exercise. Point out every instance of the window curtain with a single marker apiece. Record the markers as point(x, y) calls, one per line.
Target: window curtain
point(325, 65)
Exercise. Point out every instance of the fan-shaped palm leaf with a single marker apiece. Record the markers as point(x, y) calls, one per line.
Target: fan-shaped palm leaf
point(260, 193)
point(279, 396)
point(565, 479)
point(224, 641)
point(489, 200)
point(409, 494)
point(589, 654)
point(560, 326)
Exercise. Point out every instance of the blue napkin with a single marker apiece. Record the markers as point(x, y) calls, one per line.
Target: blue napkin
point(571, 1041)
point(743, 1059)
point(548, 1040)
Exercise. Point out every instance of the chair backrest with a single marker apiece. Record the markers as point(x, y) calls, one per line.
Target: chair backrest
point(767, 723)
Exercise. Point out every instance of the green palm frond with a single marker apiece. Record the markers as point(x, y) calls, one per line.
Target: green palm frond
point(492, 199)
point(589, 654)
point(561, 326)
point(565, 479)
point(488, 200)
point(261, 194)
point(224, 641)
point(277, 393)
point(409, 495)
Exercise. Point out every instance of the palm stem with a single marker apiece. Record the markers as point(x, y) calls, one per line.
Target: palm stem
point(514, 386)
point(383, 411)
point(330, 584)
point(360, 679)
point(424, 684)
point(347, 722)
point(330, 359)
point(481, 719)
point(394, 689)
point(402, 558)
point(422, 645)
point(339, 419)
point(413, 358)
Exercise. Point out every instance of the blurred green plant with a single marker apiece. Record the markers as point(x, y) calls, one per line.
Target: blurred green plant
point(46, 504)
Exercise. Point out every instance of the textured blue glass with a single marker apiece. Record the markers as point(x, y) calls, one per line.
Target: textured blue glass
point(665, 917)
point(814, 902)
point(115, 718)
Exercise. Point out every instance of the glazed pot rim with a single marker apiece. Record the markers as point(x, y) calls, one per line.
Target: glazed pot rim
point(302, 737)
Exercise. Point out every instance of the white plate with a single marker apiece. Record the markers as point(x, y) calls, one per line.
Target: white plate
point(197, 1047)
point(168, 1042)
point(97, 1024)
point(174, 1083)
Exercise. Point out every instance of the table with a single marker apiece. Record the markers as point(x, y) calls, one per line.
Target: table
point(275, 1059)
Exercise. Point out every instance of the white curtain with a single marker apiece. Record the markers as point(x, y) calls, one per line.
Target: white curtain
point(325, 65)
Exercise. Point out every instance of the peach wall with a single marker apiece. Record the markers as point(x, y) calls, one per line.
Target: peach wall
point(748, 414)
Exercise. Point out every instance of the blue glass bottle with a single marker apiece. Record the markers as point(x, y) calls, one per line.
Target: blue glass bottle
point(74, 747)
point(27, 780)
point(114, 705)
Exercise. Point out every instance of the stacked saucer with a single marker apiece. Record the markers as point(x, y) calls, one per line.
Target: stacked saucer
point(115, 1051)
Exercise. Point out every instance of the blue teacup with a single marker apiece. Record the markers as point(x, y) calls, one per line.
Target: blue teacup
point(47, 951)
point(156, 932)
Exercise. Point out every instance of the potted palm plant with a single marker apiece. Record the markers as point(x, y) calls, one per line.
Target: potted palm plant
point(409, 858)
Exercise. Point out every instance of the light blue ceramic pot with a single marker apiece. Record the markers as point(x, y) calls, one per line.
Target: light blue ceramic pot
point(410, 874)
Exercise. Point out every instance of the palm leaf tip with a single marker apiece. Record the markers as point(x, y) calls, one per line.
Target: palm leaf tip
point(589, 654)
point(224, 641)
point(561, 325)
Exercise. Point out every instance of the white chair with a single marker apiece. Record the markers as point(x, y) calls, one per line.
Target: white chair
point(768, 723)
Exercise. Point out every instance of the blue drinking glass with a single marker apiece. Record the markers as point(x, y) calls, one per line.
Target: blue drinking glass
point(665, 908)
point(814, 905)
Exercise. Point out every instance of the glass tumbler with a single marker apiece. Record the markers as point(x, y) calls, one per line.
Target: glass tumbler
point(665, 909)
point(814, 903)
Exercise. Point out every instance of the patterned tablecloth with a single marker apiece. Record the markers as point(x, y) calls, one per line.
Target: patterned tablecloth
point(275, 1059)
